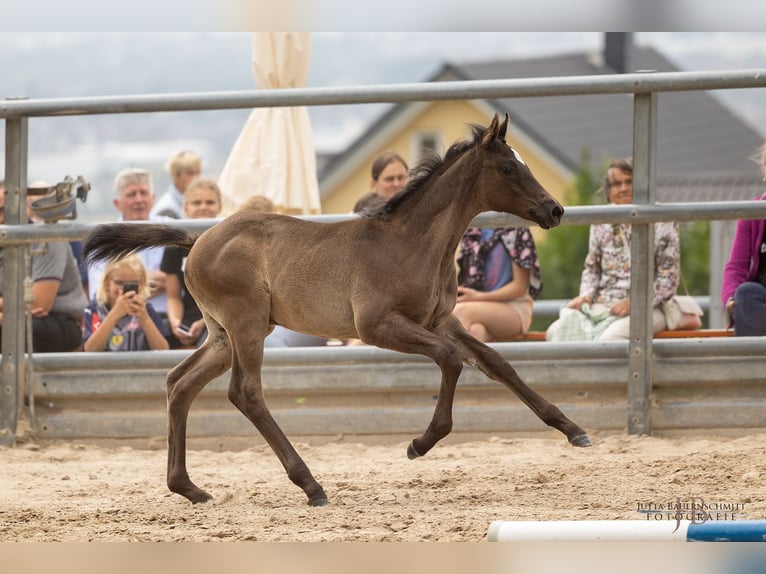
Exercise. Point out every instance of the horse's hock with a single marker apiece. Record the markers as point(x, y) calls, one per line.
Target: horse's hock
point(369, 391)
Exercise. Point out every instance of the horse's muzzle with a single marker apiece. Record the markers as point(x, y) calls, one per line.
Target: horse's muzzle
point(548, 214)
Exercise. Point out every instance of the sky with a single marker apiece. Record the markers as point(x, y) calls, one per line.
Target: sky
point(394, 15)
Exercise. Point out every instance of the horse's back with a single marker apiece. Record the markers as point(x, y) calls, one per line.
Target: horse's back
point(301, 267)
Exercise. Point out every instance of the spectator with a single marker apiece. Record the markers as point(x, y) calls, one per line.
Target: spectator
point(389, 173)
point(202, 200)
point(182, 167)
point(42, 187)
point(498, 280)
point(57, 295)
point(602, 309)
point(258, 203)
point(134, 199)
point(120, 318)
point(743, 290)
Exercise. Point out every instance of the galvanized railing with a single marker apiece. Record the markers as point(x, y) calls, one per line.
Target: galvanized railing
point(644, 87)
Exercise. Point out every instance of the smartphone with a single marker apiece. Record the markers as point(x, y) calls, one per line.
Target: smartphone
point(183, 328)
point(130, 287)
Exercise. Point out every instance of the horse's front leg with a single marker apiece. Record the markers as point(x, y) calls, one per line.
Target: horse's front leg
point(399, 333)
point(492, 364)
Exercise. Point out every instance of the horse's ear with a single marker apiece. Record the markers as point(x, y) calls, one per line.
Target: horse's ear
point(491, 132)
point(503, 127)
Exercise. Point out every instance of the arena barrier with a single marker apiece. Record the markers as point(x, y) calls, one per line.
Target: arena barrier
point(713, 384)
point(627, 531)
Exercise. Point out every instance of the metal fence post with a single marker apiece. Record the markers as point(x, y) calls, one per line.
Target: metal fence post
point(642, 267)
point(12, 369)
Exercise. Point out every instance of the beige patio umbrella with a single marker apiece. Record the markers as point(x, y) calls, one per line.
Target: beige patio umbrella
point(274, 154)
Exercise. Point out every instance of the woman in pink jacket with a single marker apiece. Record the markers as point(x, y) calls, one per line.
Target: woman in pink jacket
point(743, 291)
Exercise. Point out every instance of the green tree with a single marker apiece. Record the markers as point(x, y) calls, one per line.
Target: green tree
point(695, 257)
point(563, 249)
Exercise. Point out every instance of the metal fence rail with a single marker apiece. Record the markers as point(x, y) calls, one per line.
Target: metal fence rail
point(358, 390)
point(637, 370)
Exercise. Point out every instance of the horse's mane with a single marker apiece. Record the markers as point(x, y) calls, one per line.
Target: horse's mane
point(426, 168)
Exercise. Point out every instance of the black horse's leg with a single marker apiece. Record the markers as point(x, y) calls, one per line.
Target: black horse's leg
point(246, 393)
point(492, 364)
point(184, 383)
point(399, 333)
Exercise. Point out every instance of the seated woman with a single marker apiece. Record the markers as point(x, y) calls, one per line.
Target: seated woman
point(498, 280)
point(601, 312)
point(119, 318)
point(743, 290)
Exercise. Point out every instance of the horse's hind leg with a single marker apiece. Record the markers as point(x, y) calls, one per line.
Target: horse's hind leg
point(246, 393)
point(184, 384)
point(492, 364)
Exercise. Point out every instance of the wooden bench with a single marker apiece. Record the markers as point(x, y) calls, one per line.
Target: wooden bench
point(667, 334)
point(694, 333)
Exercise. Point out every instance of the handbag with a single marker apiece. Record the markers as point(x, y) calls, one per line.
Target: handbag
point(682, 313)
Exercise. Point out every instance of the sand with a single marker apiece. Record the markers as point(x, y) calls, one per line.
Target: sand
point(89, 492)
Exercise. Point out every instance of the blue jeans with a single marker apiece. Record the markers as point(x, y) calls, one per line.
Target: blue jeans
point(750, 310)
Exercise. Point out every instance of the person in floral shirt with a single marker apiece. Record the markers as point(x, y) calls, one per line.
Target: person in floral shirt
point(498, 280)
point(605, 282)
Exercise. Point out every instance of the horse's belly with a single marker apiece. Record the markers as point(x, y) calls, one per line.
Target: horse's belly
point(313, 319)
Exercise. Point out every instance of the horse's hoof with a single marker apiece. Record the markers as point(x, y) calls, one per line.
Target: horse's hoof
point(318, 502)
point(199, 497)
point(412, 454)
point(580, 440)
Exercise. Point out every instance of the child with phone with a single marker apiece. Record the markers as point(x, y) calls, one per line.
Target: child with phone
point(119, 318)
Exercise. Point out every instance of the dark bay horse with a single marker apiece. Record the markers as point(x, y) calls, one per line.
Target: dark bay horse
point(388, 279)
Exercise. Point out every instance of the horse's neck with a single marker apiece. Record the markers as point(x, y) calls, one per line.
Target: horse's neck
point(439, 215)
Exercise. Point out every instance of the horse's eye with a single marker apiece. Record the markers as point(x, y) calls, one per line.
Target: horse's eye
point(507, 168)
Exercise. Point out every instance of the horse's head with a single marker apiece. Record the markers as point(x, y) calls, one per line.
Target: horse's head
point(506, 183)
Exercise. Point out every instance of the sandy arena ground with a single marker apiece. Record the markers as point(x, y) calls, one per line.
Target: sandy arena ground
point(84, 492)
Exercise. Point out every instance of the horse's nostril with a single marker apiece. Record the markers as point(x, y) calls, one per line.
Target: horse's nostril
point(558, 212)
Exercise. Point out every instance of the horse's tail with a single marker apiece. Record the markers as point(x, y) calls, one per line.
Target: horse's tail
point(115, 240)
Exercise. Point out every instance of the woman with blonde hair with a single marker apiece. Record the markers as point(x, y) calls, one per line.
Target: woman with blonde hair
point(202, 200)
point(119, 318)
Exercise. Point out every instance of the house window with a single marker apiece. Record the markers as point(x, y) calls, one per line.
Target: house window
point(426, 143)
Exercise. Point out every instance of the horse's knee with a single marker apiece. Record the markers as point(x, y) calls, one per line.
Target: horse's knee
point(172, 390)
point(248, 400)
point(449, 359)
point(174, 376)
